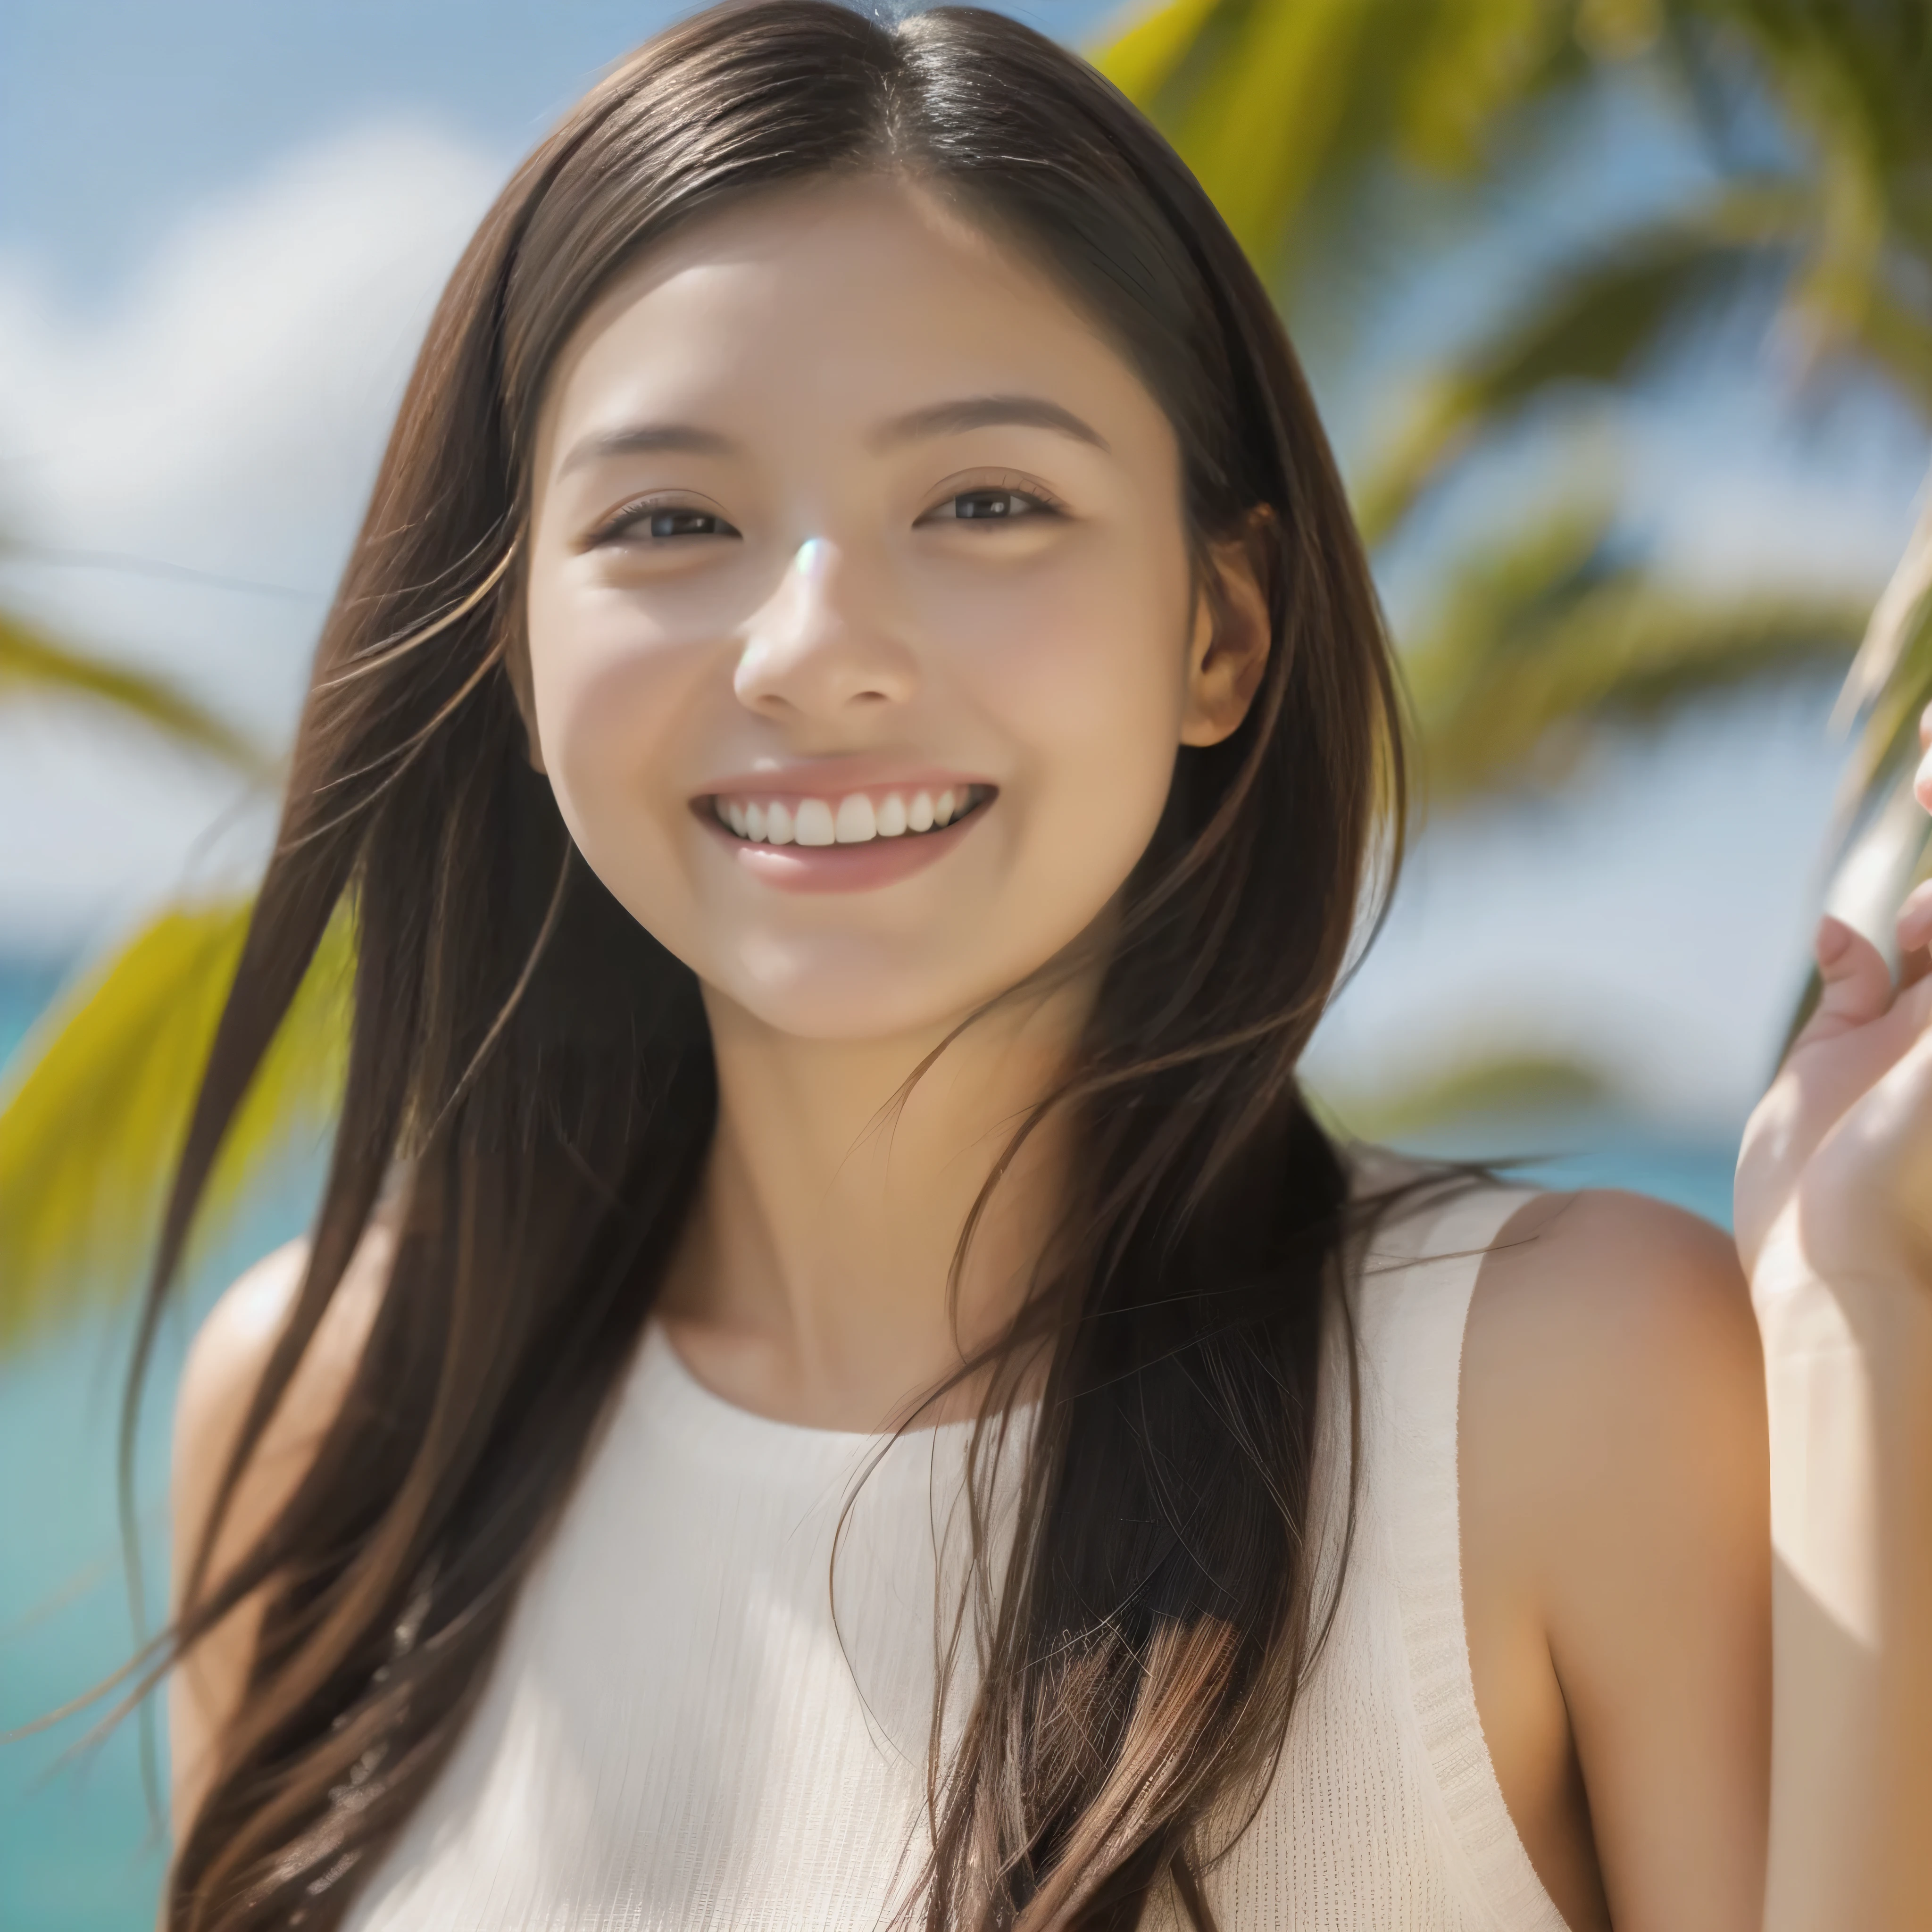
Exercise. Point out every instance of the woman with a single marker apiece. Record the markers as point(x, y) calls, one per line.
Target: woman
point(836, 1377)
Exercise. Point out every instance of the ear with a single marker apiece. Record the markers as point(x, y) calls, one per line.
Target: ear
point(517, 669)
point(1229, 651)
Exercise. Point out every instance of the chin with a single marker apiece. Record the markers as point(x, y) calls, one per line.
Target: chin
point(852, 1000)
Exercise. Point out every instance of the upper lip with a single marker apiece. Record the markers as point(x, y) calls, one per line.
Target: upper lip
point(838, 778)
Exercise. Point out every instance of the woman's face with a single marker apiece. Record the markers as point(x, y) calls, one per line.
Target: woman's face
point(862, 628)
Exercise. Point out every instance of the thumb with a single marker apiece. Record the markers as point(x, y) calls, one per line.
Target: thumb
point(1856, 983)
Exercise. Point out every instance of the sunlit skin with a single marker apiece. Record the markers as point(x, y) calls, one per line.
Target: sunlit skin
point(748, 575)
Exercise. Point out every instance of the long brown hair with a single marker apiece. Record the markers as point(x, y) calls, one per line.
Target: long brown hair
point(539, 1067)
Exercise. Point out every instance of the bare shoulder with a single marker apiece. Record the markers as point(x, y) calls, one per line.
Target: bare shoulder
point(1612, 1360)
point(1601, 1287)
point(1616, 1555)
point(224, 1368)
point(225, 1365)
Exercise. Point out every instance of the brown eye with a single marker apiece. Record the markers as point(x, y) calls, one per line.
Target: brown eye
point(650, 523)
point(991, 506)
point(685, 523)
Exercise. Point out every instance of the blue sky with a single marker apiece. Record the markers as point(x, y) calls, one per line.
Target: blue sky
point(116, 116)
point(221, 225)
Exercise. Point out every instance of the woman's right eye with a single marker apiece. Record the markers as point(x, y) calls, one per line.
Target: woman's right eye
point(661, 523)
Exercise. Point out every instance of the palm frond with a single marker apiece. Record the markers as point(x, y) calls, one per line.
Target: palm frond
point(1143, 51)
point(1498, 1086)
point(1598, 323)
point(31, 660)
point(93, 1110)
point(1470, 64)
point(1541, 645)
point(1274, 107)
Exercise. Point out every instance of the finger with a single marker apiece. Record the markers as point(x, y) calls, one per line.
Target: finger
point(1922, 779)
point(1914, 1006)
point(1856, 985)
point(1914, 933)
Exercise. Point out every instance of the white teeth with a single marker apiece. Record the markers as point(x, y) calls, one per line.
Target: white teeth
point(856, 821)
point(856, 824)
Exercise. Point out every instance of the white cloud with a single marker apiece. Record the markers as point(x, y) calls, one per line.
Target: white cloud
point(223, 415)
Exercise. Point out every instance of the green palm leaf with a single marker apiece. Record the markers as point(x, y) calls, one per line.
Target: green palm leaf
point(31, 661)
point(1540, 645)
point(1504, 1085)
point(1854, 86)
point(1277, 107)
point(1597, 324)
point(92, 1117)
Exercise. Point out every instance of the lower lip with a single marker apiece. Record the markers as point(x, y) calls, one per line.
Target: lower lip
point(842, 868)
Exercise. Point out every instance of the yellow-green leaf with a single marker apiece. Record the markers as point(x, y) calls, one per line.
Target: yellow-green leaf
point(94, 1108)
point(31, 659)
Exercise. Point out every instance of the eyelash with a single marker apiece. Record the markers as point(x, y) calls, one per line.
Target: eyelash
point(623, 521)
point(1041, 502)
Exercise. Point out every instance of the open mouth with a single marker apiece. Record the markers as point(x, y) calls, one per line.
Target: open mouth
point(857, 818)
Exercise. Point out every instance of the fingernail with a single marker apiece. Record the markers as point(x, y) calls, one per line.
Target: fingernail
point(1833, 936)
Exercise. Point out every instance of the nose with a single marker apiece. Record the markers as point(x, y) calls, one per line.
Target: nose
point(819, 649)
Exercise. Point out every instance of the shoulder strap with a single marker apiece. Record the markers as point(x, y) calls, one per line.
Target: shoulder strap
point(1414, 1307)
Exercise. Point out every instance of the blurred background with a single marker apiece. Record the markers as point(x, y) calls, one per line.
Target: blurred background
point(1619, 311)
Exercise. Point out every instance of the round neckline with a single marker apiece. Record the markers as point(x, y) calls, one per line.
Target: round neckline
point(704, 1406)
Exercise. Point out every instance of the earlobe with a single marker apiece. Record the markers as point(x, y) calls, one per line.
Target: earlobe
point(1229, 651)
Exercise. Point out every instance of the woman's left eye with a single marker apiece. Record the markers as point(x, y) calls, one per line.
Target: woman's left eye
point(990, 506)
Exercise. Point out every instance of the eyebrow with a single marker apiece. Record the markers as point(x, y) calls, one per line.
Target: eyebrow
point(988, 412)
point(647, 439)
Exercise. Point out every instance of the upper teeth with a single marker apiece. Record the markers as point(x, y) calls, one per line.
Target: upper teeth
point(850, 820)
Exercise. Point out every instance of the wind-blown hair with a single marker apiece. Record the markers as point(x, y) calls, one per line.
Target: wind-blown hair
point(538, 1068)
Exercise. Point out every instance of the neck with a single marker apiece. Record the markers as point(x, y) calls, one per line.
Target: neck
point(814, 1282)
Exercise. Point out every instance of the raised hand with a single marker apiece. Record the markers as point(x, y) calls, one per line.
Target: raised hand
point(1834, 1222)
point(1837, 1157)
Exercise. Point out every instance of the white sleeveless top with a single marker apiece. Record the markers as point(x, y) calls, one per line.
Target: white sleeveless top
point(677, 1734)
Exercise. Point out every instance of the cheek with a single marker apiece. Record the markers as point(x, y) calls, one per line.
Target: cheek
point(609, 689)
point(1085, 669)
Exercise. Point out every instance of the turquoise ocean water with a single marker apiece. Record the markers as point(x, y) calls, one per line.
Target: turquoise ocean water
point(79, 1849)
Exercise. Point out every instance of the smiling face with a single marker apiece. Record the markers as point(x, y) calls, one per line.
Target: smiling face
point(862, 628)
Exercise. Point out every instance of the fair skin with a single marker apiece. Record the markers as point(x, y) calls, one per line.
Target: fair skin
point(835, 498)
point(1835, 1221)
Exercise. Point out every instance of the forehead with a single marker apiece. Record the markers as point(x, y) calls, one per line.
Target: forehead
point(853, 299)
